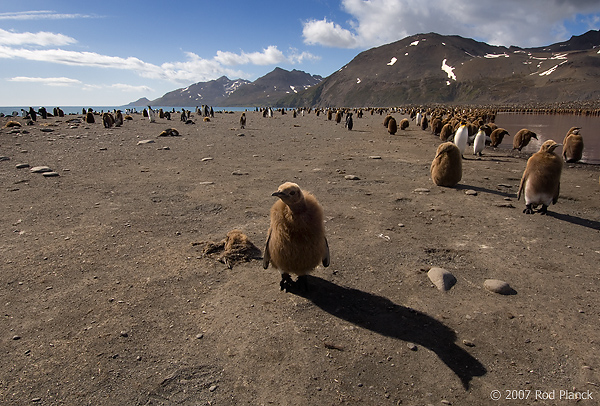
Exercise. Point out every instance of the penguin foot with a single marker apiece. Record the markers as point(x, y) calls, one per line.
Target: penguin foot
point(302, 283)
point(543, 210)
point(286, 282)
point(528, 209)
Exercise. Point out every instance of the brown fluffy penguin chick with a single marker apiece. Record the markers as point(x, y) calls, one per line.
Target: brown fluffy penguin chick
point(243, 121)
point(541, 180)
point(296, 243)
point(573, 146)
point(446, 168)
point(497, 136)
point(522, 138)
point(392, 126)
point(404, 124)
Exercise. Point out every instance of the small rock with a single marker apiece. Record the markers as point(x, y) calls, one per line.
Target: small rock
point(40, 169)
point(16, 338)
point(421, 190)
point(239, 173)
point(471, 192)
point(351, 177)
point(375, 157)
point(21, 166)
point(142, 142)
point(4, 158)
point(206, 159)
point(200, 336)
point(213, 388)
point(469, 343)
point(50, 174)
point(411, 347)
point(241, 135)
point(46, 130)
point(508, 205)
point(498, 286)
point(441, 278)
point(124, 333)
point(206, 183)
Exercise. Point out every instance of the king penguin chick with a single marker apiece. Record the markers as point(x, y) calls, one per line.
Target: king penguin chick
point(296, 242)
point(479, 144)
point(461, 137)
point(446, 168)
point(541, 180)
point(522, 138)
point(243, 120)
point(497, 136)
point(573, 146)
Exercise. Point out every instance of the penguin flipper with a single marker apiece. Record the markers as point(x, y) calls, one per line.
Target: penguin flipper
point(326, 258)
point(522, 185)
point(555, 198)
point(267, 256)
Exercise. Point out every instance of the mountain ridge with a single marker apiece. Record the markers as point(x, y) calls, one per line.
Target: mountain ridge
point(421, 68)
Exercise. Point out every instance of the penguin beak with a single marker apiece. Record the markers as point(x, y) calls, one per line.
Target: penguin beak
point(278, 194)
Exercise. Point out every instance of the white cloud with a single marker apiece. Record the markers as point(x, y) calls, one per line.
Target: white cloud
point(41, 38)
point(61, 81)
point(41, 15)
point(327, 33)
point(269, 56)
point(510, 22)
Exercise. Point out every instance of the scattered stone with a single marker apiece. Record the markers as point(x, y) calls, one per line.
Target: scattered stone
point(241, 135)
point(469, 343)
point(142, 142)
point(200, 336)
point(509, 205)
point(375, 157)
point(4, 158)
point(21, 166)
point(46, 130)
point(471, 192)
point(124, 333)
point(421, 190)
point(351, 177)
point(498, 286)
point(16, 338)
point(411, 346)
point(206, 159)
point(239, 173)
point(504, 185)
point(441, 278)
point(40, 169)
point(213, 388)
point(206, 183)
point(50, 174)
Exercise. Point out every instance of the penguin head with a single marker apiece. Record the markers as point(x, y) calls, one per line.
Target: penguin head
point(290, 193)
point(534, 135)
point(549, 146)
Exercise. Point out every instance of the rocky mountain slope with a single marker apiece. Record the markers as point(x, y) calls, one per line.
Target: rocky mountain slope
point(264, 91)
point(213, 92)
point(429, 68)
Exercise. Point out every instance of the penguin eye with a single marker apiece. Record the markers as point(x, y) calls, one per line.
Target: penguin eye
point(292, 193)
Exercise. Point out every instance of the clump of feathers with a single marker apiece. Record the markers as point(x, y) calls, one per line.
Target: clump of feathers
point(235, 248)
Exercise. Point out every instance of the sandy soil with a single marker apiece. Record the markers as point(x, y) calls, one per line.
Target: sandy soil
point(107, 301)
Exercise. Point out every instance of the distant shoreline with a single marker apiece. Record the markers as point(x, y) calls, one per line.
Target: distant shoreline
point(7, 110)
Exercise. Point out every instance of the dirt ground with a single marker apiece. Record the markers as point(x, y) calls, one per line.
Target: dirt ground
point(106, 299)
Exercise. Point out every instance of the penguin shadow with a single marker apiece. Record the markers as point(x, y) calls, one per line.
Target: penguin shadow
point(382, 316)
point(594, 225)
point(464, 186)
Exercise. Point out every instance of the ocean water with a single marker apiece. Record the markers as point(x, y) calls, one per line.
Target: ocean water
point(553, 127)
point(77, 109)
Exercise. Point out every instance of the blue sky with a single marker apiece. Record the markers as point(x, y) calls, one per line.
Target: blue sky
point(82, 53)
